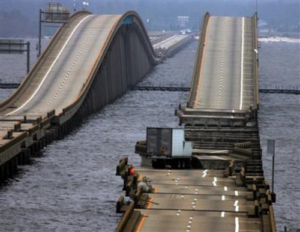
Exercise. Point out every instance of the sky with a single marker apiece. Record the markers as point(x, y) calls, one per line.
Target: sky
point(22, 15)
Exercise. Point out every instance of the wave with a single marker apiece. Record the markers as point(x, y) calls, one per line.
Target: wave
point(279, 39)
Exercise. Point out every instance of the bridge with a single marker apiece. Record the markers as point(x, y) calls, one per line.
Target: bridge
point(89, 63)
point(221, 185)
point(225, 74)
point(93, 60)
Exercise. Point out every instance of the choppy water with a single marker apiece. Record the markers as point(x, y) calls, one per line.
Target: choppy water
point(72, 187)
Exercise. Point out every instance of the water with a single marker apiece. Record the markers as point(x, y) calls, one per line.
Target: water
point(72, 187)
point(279, 64)
point(279, 120)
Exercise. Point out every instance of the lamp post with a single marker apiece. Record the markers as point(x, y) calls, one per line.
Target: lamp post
point(85, 4)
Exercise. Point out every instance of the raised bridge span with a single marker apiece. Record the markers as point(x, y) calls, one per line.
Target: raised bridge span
point(89, 63)
point(225, 78)
point(224, 87)
point(220, 186)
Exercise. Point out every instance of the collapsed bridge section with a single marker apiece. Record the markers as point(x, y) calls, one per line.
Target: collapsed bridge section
point(89, 63)
point(224, 88)
point(207, 176)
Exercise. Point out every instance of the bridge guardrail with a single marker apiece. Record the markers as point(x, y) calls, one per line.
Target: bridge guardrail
point(255, 61)
point(198, 60)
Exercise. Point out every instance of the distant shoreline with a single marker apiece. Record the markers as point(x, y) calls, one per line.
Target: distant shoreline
point(279, 40)
point(293, 35)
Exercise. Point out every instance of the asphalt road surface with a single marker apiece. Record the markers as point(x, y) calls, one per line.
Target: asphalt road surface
point(226, 76)
point(67, 67)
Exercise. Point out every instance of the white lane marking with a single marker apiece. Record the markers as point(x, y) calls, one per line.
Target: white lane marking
point(223, 214)
point(223, 197)
point(215, 181)
point(236, 203)
point(242, 64)
point(225, 188)
point(204, 173)
point(66, 77)
point(237, 225)
point(236, 193)
point(46, 75)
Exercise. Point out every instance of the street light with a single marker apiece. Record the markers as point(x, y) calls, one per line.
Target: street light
point(85, 4)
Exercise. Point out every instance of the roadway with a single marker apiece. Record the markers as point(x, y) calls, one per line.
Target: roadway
point(65, 80)
point(169, 42)
point(226, 75)
point(61, 77)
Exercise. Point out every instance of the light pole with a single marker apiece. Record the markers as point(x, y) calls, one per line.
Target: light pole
point(85, 4)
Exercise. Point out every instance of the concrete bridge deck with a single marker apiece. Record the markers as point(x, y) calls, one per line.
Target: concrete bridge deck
point(186, 200)
point(61, 77)
point(194, 200)
point(171, 44)
point(226, 73)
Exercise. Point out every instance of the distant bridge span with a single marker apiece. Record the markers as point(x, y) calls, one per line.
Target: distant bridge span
point(89, 63)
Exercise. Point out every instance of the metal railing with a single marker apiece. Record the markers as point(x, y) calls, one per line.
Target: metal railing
point(255, 61)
